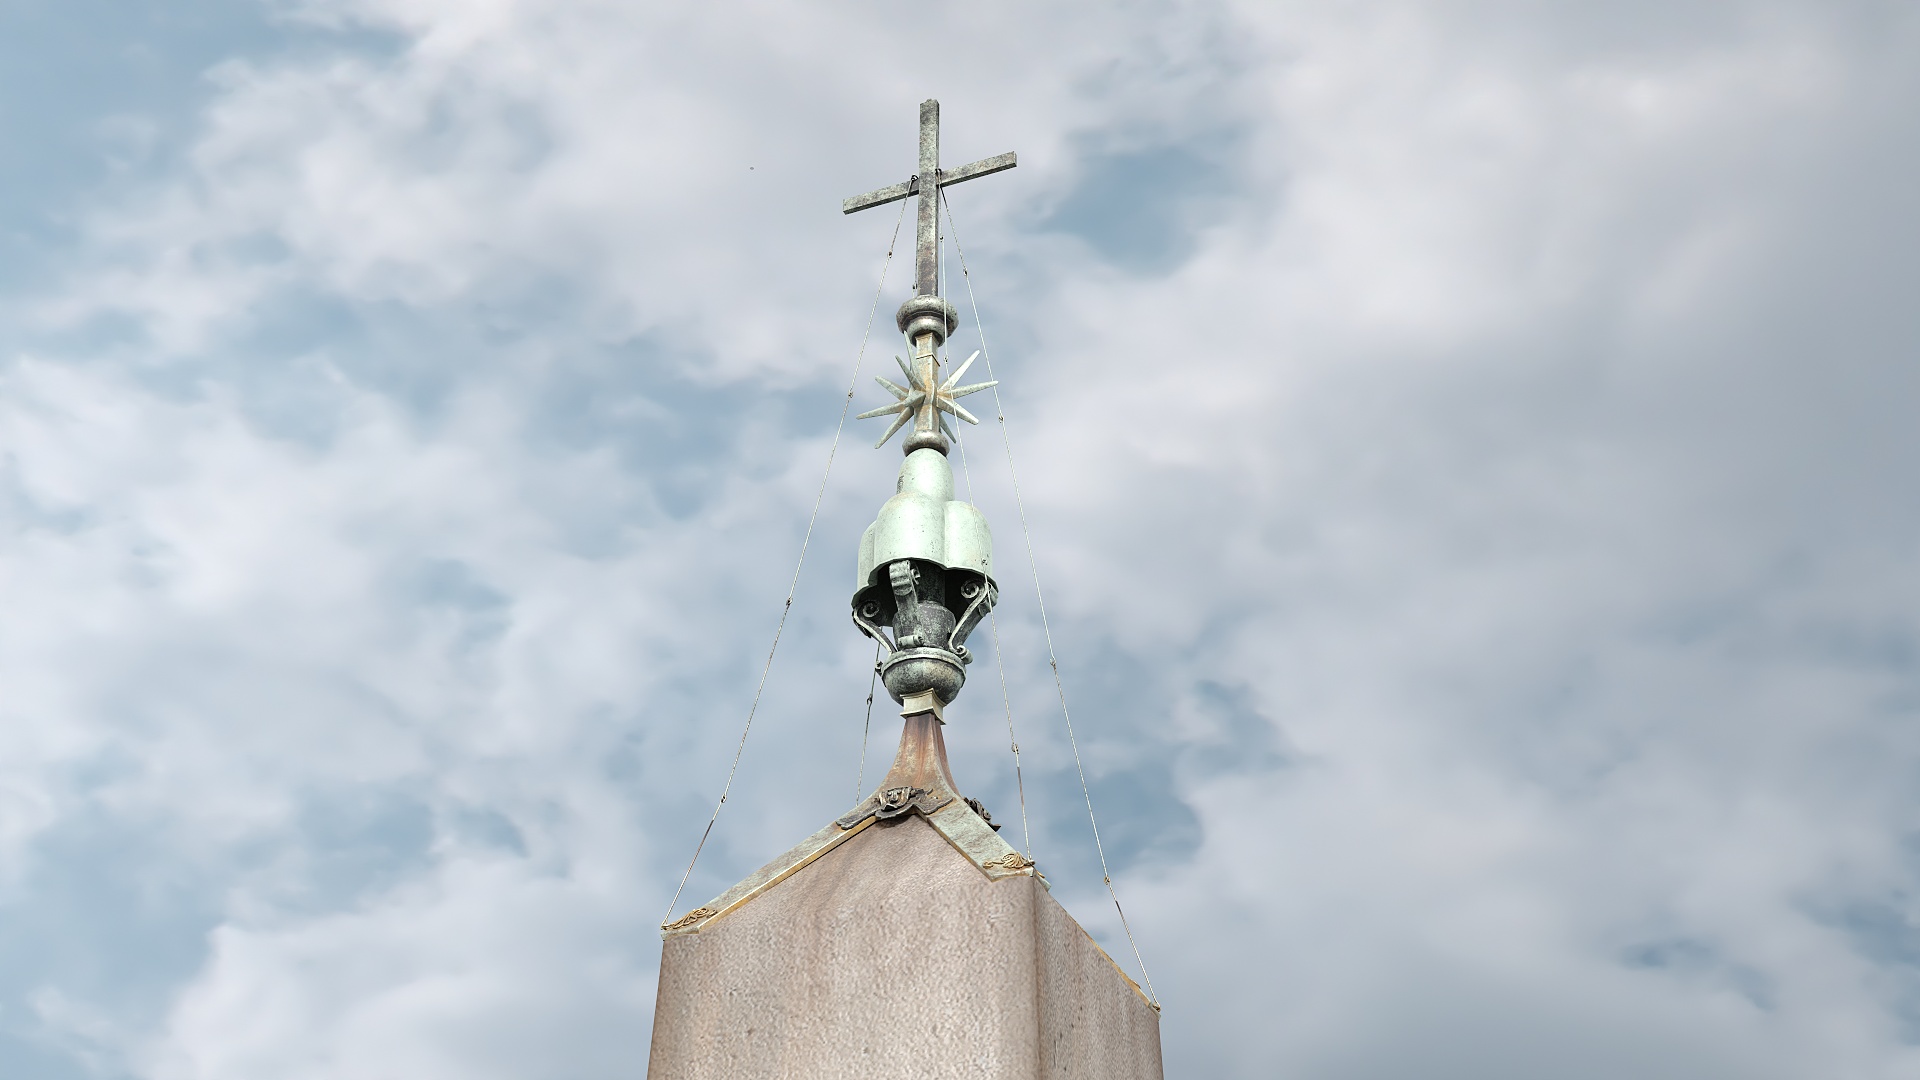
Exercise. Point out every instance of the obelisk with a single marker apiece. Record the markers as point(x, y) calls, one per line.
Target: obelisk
point(905, 938)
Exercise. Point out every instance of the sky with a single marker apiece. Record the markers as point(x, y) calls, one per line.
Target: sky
point(1466, 447)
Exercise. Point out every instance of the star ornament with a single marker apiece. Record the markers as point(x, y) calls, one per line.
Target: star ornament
point(913, 397)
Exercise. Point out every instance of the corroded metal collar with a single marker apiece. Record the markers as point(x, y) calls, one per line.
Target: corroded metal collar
point(924, 702)
point(927, 315)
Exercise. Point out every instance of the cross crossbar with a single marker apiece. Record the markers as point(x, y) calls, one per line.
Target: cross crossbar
point(948, 178)
point(927, 184)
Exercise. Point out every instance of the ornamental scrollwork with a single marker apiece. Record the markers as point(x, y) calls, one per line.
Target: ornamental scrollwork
point(895, 802)
point(699, 914)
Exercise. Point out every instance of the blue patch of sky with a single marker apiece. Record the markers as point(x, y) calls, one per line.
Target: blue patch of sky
point(450, 587)
point(1138, 766)
point(277, 351)
point(485, 829)
point(98, 94)
point(676, 432)
point(1884, 642)
point(297, 361)
point(1883, 930)
point(640, 400)
point(105, 916)
point(362, 842)
point(1145, 821)
point(518, 136)
point(625, 762)
point(1239, 738)
point(1142, 207)
point(1886, 933)
point(1693, 956)
point(27, 1051)
point(108, 915)
point(1554, 723)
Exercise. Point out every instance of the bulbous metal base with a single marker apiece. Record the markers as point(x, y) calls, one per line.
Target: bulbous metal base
point(914, 671)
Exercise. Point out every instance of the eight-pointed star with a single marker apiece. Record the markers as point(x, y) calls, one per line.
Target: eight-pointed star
point(908, 399)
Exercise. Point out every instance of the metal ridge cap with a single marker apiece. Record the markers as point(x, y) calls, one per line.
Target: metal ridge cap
point(787, 864)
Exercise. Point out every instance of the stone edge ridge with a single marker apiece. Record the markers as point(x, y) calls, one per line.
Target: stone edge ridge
point(955, 822)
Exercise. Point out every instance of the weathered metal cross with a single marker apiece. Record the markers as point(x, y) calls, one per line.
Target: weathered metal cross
point(927, 319)
point(927, 184)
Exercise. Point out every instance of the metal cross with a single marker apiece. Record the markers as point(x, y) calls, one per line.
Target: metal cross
point(927, 322)
point(927, 184)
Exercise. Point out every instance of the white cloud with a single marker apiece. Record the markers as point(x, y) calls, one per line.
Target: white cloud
point(1469, 492)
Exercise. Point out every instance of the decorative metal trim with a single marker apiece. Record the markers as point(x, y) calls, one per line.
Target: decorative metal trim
point(980, 808)
point(895, 802)
point(871, 629)
point(1012, 860)
point(699, 914)
point(983, 600)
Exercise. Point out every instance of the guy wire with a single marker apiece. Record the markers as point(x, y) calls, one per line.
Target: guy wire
point(1052, 661)
point(860, 779)
point(787, 608)
point(993, 621)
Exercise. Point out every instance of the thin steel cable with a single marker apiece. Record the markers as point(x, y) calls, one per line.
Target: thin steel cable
point(1026, 833)
point(1040, 600)
point(860, 780)
point(787, 608)
point(993, 620)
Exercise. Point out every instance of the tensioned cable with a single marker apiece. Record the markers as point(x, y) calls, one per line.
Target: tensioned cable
point(1006, 700)
point(860, 779)
point(993, 620)
point(787, 609)
point(993, 627)
point(1027, 533)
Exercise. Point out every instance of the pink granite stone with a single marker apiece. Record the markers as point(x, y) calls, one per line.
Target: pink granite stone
point(895, 955)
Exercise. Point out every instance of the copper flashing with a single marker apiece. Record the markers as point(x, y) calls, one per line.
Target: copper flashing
point(920, 784)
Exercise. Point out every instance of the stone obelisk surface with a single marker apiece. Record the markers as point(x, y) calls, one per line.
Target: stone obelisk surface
point(905, 938)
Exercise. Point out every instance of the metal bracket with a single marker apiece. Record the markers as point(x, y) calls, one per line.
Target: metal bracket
point(983, 602)
point(895, 802)
point(872, 629)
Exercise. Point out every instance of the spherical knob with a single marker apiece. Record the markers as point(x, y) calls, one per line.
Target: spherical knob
point(914, 671)
point(927, 313)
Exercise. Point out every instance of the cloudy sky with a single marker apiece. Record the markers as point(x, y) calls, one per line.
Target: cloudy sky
point(1468, 448)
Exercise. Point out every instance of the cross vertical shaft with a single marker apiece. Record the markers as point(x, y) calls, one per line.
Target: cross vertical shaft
point(926, 362)
point(927, 251)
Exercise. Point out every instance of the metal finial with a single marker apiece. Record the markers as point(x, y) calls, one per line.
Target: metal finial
point(914, 398)
point(926, 563)
point(926, 319)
